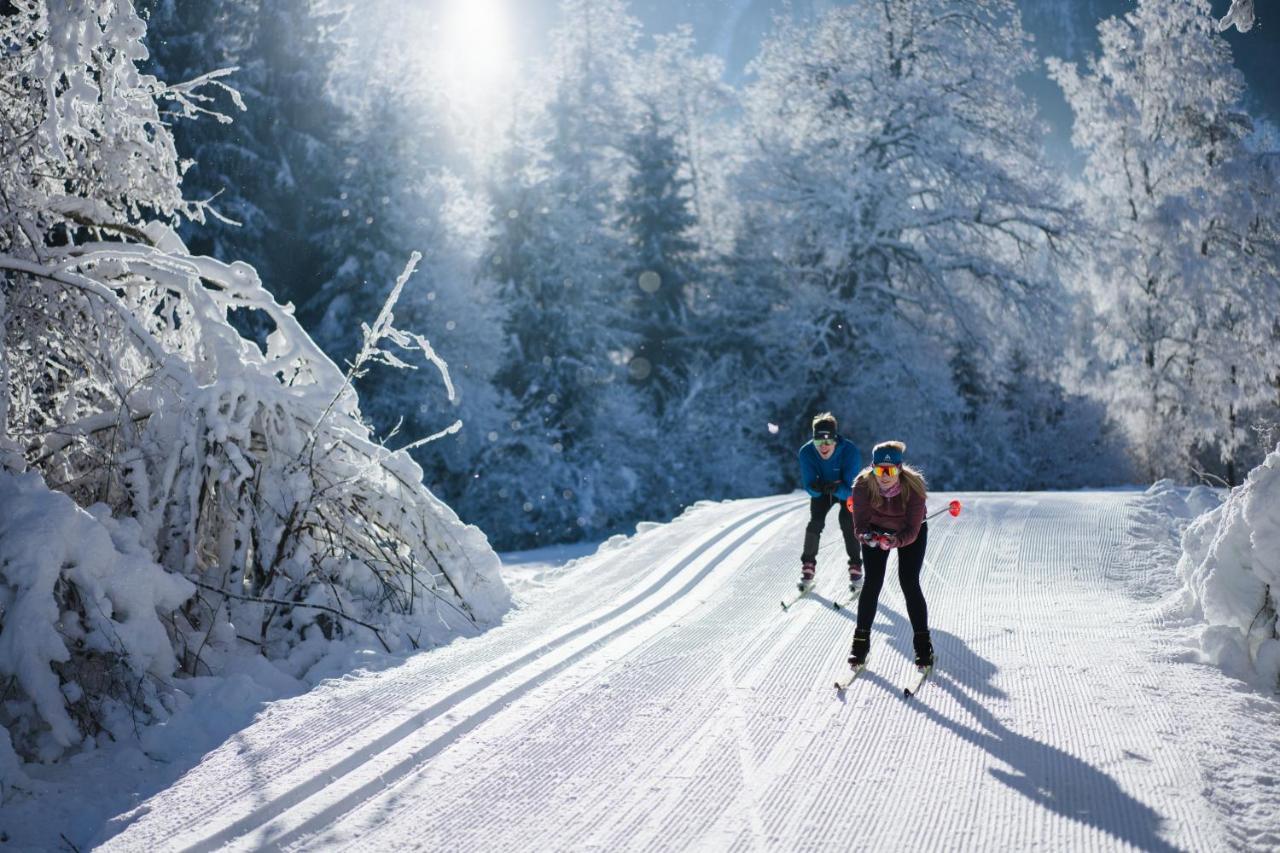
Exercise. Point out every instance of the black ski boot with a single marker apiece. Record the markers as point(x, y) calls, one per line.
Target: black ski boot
point(861, 648)
point(924, 649)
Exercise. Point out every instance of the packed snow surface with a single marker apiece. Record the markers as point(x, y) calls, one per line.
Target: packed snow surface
point(654, 696)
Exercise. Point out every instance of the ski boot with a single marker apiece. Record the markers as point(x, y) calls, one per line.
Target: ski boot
point(924, 650)
point(861, 648)
point(855, 575)
point(807, 570)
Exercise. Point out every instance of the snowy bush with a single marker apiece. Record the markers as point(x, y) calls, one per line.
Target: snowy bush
point(236, 497)
point(83, 640)
point(1231, 565)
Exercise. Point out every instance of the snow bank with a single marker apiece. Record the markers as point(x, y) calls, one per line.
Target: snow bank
point(1155, 522)
point(1231, 566)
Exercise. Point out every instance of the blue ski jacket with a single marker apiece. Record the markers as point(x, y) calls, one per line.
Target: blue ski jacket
point(842, 467)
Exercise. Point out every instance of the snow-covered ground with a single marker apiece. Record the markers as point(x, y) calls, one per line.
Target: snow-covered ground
point(652, 695)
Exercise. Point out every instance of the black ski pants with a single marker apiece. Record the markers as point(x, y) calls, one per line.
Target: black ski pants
point(910, 563)
point(818, 509)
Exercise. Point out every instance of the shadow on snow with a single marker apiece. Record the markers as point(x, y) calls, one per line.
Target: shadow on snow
point(1043, 773)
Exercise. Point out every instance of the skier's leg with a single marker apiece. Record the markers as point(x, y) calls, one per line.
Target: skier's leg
point(873, 567)
point(910, 564)
point(851, 546)
point(818, 509)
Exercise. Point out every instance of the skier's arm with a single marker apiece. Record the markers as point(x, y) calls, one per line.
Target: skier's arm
point(850, 465)
point(809, 472)
point(915, 517)
point(861, 509)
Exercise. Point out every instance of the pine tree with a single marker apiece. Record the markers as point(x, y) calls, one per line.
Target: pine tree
point(660, 259)
point(269, 173)
point(556, 257)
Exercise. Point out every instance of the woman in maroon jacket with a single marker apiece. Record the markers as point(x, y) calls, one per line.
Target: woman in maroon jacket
point(888, 512)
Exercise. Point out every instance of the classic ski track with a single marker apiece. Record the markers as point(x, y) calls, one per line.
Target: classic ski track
point(714, 725)
point(368, 780)
point(294, 749)
point(692, 664)
point(797, 645)
point(298, 830)
point(832, 774)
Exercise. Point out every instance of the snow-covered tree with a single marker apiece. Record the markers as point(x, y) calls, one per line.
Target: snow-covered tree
point(558, 260)
point(271, 174)
point(397, 188)
point(700, 111)
point(657, 224)
point(1183, 271)
point(1054, 439)
point(235, 499)
point(896, 176)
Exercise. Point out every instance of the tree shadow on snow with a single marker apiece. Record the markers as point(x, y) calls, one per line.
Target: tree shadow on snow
point(1044, 774)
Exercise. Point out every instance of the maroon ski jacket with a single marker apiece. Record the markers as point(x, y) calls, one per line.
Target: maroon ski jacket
point(897, 513)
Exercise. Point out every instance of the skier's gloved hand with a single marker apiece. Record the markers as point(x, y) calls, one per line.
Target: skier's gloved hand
point(889, 541)
point(829, 487)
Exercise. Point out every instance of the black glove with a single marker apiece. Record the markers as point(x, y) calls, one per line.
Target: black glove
point(824, 487)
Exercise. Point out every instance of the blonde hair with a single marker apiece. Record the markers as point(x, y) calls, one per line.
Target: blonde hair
point(912, 479)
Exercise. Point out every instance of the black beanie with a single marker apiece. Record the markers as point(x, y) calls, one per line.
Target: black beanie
point(824, 429)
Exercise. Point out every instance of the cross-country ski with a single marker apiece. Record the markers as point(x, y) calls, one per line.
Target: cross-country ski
point(908, 692)
point(803, 589)
point(843, 683)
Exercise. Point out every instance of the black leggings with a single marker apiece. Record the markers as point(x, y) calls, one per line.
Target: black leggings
point(818, 509)
point(910, 563)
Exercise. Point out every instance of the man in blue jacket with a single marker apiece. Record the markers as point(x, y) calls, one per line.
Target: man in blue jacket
point(828, 465)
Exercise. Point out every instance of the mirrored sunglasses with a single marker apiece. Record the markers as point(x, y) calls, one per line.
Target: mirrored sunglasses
point(824, 442)
point(886, 470)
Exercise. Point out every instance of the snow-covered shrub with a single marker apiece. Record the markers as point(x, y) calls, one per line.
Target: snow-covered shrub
point(245, 473)
point(1231, 566)
point(81, 598)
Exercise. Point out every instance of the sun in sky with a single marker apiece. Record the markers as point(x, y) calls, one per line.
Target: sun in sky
point(475, 61)
point(476, 46)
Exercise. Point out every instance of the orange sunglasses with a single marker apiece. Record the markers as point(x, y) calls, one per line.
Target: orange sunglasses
point(886, 470)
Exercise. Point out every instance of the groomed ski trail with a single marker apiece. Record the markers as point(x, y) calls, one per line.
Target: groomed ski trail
point(658, 699)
